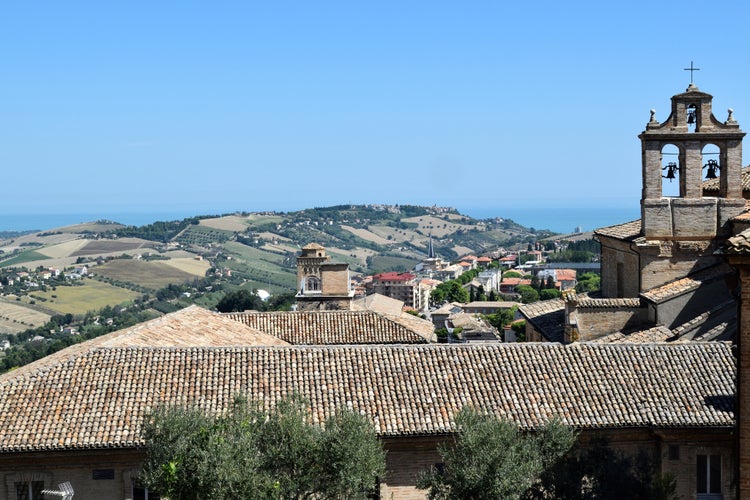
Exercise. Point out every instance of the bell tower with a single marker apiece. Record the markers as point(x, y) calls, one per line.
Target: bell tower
point(700, 143)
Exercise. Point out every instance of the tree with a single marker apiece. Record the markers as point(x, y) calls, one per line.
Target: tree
point(492, 458)
point(599, 471)
point(527, 293)
point(588, 282)
point(248, 453)
point(238, 301)
point(550, 293)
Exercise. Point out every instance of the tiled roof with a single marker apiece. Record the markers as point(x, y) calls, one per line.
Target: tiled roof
point(489, 303)
point(331, 327)
point(721, 321)
point(184, 328)
point(394, 276)
point(607, 303)
point(379, 303)
point(678, 287)
point(656, 334)
point(100, 398)
point(547, 317)
point(628, 231)
point(713, 184)
point(739, 244)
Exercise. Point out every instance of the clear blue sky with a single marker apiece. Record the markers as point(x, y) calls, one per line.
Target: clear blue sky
point(207, 107)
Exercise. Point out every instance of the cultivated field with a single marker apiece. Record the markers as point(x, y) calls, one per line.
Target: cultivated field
point(16, 318)
point(280, 248)
point(366, 235)
point(227, 223)
point(153, 274)
point(273, 236)
point(437, 226)
point(89, 296)
point(65, 249)
point(189, 265)
point(462, 250)
point(23, 258)
point(103, 247)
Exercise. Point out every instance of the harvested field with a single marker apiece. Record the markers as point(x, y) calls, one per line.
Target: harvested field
point(366, 235)
point(15, 317)
point(227, 223)
point(65, 249)
point(154, 274)
point(280, 248)
point(89, 296)
point(273, 236)
point(189, 265)
point(461, 251)
point(397, 235)
point(437, 226)
point(103, 247)
point(89, 226)
point(179, 254)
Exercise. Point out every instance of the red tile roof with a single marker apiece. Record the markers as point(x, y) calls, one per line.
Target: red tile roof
point(394, 276)
point(99, 398)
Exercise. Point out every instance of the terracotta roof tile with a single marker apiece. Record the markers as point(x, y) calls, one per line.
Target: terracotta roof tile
point(628, 231)
point(678, 287)
point(547, 317)
point(99, 399)
point(332, 327)
point(656, 334)
point(739, 244)
point(713, 184)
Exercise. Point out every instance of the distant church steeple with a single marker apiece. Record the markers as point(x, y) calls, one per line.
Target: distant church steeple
point(430, 249)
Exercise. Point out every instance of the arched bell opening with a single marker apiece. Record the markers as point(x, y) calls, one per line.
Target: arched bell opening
point(671, 167)
point(711, 160)
point(691, 116)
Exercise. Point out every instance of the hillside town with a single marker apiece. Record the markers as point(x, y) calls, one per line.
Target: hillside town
point(652, 359)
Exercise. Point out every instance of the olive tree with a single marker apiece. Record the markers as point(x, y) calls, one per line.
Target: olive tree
point(250, 453)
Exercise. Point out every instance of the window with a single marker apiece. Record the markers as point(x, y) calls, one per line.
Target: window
point(312, 284)
point(29, 490)
point(143, 493)
point(708, 476)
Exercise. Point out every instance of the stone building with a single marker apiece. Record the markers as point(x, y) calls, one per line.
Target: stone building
point(323, 285)
point(664, 270)
point(77, 415)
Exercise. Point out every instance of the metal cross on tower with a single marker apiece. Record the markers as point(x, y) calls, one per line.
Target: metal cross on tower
point(691, 69)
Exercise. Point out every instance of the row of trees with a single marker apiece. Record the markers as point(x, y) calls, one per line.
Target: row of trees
point(251, 453)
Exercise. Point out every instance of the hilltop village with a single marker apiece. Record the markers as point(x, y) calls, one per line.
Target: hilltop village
point(657, 362)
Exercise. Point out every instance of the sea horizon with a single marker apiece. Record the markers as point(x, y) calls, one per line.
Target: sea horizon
point(558, 219)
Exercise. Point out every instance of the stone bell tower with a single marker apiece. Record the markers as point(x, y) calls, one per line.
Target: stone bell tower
point(323, 285)
point(681, 232)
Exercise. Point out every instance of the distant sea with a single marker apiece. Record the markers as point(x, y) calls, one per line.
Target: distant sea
point(560, 219)
point(557, 219)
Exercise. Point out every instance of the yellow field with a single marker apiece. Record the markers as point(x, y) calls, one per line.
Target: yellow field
point(462, 250)
point(15, 318)
point(90, 296)
point(63, 249)
point(280, 248)
point(398, 235)
point(273, 236)
point(227, 223)
point(360, 254)
point(437, 226)
point(366, 235)
point(189, 265)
